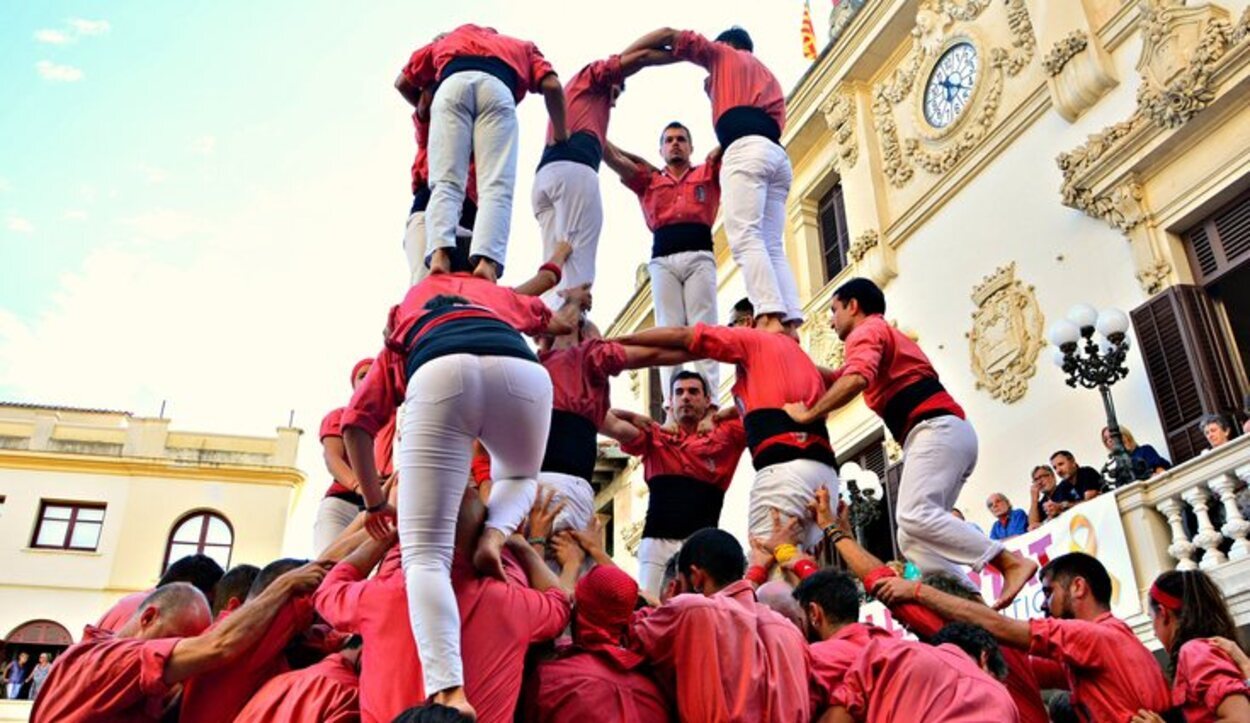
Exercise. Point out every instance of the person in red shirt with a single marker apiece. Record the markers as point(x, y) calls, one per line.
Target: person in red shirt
point(596, 678)
point(201, 571)
point(686, 470)
point(939, 445)
point(480, 76)
point(455, 357)
point(718, 653)
point(952, 681)
point(1110, 673)
point(325, 692)
point(791, 460)
point(748, 113)
point(128, 675)
point(1187, 609)
point(679, 204)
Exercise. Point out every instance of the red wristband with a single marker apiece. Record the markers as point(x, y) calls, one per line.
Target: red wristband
point(553, 269)
point(757, 574)
point(805, 568)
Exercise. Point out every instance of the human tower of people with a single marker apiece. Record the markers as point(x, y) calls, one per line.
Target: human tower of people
point(481, 523)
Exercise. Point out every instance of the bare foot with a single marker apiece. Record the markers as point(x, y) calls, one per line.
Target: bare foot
point(440, 262)
point(485, 270)
point(455, 698)
point(1017, 570)
point(487, 557)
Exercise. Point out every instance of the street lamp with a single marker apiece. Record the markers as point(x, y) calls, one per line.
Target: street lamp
point(1097, 365)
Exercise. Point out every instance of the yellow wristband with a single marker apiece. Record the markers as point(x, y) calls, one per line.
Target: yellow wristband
point(785, 553)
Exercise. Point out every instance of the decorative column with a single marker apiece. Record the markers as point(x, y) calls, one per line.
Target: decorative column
point(1208, 538)
point(1236, 527)
point(1181, 548)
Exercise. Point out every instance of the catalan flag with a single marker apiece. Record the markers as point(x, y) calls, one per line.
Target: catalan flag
point(809, 33)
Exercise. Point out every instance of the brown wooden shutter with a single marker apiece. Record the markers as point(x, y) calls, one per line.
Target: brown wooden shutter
point(833, 234)
point(1222, 241)
point(655, 393)
point(1189, 364)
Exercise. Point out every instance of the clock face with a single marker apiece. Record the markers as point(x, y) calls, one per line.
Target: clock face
point(949, 89)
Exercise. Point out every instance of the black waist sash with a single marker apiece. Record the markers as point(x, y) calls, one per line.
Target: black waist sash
point(743, 121)
point(898, 410)
point(581, 147)
point(485, 64)
point(572, 445)
point(680, 506)
point(811, 440)
point(677, 237)
point(349, 496)
point(481, 336)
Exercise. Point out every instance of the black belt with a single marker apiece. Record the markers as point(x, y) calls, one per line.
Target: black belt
point(897, 412)
point(572, 445)
point(485, 64)
point(763, 425)
point(581, 147)
point(681, 506)
point(743, 121)
point(678, 237)
point(349, 496)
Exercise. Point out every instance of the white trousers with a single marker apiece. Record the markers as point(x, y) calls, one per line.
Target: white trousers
point(569, 207)
point(938, 456)
point(414, 247)
point(683, 291)
point(653, 556)
point(790, 487)
point(504, 402)
point(473, 116)
point(333, 516)
point(755, 179)
point(578, 498)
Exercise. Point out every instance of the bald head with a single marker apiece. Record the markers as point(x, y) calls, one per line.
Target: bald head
point(779, 596)
point(176, 610)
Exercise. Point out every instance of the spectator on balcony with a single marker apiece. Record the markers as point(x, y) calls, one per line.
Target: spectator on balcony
point(1146, 461)
point(1217, 428)
point(1085, 480)
point(1008, 521)
point(1050, 499)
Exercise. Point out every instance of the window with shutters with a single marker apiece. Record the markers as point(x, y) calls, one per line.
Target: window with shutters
point(833, 234)
point(1221, 243)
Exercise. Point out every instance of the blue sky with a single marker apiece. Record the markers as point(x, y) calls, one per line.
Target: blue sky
point(203, 202)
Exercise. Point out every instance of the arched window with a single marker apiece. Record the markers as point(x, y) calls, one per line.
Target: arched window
point(200, 532)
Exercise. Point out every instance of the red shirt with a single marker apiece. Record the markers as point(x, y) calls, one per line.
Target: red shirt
point(889, 361)
point(783, 371)
point(588, 97)
point(383, 447)
point(218, 695)
point(122, 610)
point(666, 199)
point(384, 387)
point(106, 678)
point(931, 684)
point(326, 692)
point(1110, 673)
point(580, 374)
point(1205, 676)
point(583, 686)
point(710, 458)
point(377, 609)
point(726, 658)
point(427, 63)
point(498, 622)
point(736, 77)
point(833, 657)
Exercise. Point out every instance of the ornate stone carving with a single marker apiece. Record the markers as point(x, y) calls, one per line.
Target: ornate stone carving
point(841, 15)
point(632, 536)
point(823, 343)
point(1153, 278)
point(839, 110)
point(1063, 51)
point(635, 383)
point(1182, 45)
point(1006, 335)
point(976, 127)
point(862, 244)
point(893, 450)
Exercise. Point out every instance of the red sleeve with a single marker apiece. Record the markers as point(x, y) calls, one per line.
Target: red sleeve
point(640, 181)
point(153, 655)
point(337, 599)
point(294, 617)
point(1206, 676)
point(732, 432)
point(606, 359)
point(638, 447)
point(332, 424)
point(1049, 674)
point(856, 686)
point(864, 348)
point(550, 610)
point(377, 396)
point(606, 73)
point(419, 72)
point(722, 343)
point(539, 67)
point(695, 48)
point(678, 636)
point(921, 620)
point(1065, 641)
point(527, 314)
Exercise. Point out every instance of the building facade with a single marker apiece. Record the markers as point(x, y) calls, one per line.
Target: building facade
point(990, 164)
point(95, 505)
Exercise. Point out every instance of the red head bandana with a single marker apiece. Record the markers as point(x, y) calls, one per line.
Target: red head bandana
point(605, 602)
point(1164, 599)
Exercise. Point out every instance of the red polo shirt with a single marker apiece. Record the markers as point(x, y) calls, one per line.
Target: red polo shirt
point(384, 387)
point(523, 57)
point(737, 77)
point(383, 447)
point(377, 609)
point(106, 678)
point(498, 622)
point(218, 695)
point(325, 692)
point(710, 458)
point(1110, 673)
point(935, 684)
point(694, 197)
point(1205, 677)
point(588, 97)
point(580, 374)
point(584, 686)
point(762, 357)
point(833, 657)
point(726, 658)
point(122, 610)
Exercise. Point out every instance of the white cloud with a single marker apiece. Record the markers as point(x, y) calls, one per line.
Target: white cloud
point(163, 225)
point(56, 72)
point(17, 224)
point(52, 37)
point(152, 174)
point(89, 27)
point(204, 145)
point(76, 215)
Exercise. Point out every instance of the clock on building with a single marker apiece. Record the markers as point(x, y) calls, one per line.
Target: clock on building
point(949, 89)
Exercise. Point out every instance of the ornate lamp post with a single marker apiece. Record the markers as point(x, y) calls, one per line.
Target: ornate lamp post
point(1098, 363)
